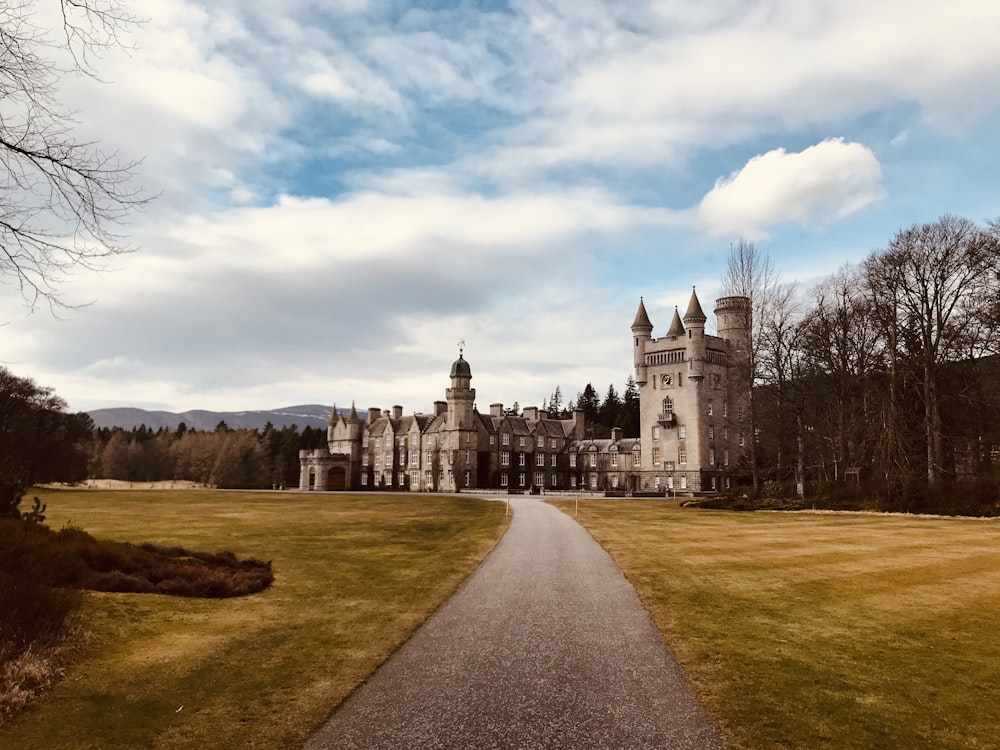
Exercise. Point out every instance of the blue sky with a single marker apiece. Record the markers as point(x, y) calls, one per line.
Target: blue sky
point(347, 189)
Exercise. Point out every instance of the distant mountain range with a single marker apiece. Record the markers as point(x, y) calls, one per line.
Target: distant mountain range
point(312, 415)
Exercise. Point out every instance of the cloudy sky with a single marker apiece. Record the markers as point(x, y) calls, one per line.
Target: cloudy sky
point(347, 188)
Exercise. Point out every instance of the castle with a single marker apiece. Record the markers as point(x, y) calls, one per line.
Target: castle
point(692, 402)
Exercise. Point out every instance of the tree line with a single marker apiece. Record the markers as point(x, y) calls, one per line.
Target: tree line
point(882, 380)
point(601, 415)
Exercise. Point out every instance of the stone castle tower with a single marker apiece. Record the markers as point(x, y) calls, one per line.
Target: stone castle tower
point(692, 397)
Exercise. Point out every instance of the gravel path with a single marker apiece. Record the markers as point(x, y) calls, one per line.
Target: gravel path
point(545, 646)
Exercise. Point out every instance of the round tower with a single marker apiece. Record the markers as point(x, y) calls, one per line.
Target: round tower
point(642, 332)
point(694, 321)
point(461, 396)
point(734, 318)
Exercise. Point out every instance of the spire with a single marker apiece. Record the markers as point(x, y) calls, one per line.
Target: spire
point(334, 416)
point(676, 327)
point(695, 315)
point(353, 416)
point(641, 322)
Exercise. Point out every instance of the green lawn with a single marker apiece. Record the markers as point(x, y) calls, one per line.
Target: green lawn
point(822, 630)
point(355, 575)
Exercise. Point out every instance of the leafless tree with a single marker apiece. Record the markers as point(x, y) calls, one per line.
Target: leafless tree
point(750, 273)
point(62, 200)
point(933, 288)
point(844, 350)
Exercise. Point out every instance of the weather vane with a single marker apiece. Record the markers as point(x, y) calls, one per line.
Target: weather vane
point(461, 346)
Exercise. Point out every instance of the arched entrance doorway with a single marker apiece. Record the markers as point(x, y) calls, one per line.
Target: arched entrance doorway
point(336, 479)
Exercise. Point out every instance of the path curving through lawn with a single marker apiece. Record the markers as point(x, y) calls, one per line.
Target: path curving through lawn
point(545, 646)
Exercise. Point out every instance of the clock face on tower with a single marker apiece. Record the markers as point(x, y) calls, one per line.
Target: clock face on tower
point(667, 380)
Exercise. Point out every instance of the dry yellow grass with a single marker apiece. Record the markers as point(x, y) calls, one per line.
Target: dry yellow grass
point(822, 630)
point(354, 576)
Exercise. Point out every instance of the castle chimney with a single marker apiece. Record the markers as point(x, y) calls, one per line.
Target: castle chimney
point(397, 412)
point(496, 410)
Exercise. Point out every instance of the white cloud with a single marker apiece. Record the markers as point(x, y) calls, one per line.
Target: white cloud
point(816, 186)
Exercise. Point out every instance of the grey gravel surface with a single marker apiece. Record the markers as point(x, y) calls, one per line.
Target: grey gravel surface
point(545, 646)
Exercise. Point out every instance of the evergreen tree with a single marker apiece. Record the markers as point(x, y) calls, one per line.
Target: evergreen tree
point(589, 403)
point(628, 418)
point(611, 408)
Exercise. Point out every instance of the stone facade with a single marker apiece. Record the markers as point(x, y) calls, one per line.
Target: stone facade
point(692, 397)
point(691, 416)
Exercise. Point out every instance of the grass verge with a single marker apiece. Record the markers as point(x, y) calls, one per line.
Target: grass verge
point(354, 576)
point(802, 630)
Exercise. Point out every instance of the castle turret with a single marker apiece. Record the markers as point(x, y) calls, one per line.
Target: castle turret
point(461, 396)
point(676, 327)
point(694, 320)
point(642, 332)
point(733, 316)
point(332, 423)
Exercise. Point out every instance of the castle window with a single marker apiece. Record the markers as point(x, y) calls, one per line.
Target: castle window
point(553, 479)
point(572, 482)
point(710, 407)
point(684, 481)
point(520, 479)
point(541, 441)
point(725, 457)
point(593, 460)
point(725, 408)
point(656, 483)
point(414, 458)
point(656, 432)
point(414, 479)
point(429, 478)
point(378, 459)
point(740, 441)
point(572, 460)
point(520, 441)
point(539, 478)
point(493, 439)
point(636, 458)
point(504, 438)
point(388, 459)
point(593, 481)
point(427, 458)
point(466, 455)
point(520, 459)
point(614, 460)
point(711, 456)
point(364, 459)
point(668, 405)
point(682, 454)
point(614, 482)
point(553, 443)
point(711, 432)
point(656, 456)
point(539, 459)
point(468, 478)
point(402, 478)
point(681, 432)
point(503, 479)
point(505, 458)
point(413, 440)
point(725, 433)
point(552, 460)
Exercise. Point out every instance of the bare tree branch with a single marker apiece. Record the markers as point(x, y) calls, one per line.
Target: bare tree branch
point(61, 199)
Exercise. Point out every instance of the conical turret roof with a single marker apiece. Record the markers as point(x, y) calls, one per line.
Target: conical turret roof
point(676, 327)
point(641, 321)
point(334, 416)
point(694, 315)
point(353, 416)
